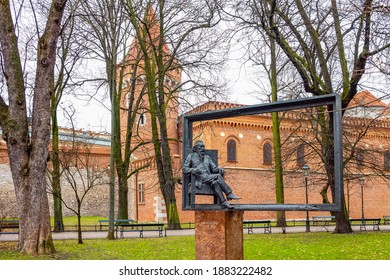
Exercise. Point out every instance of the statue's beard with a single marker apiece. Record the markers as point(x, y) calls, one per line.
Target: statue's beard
point(201, 154)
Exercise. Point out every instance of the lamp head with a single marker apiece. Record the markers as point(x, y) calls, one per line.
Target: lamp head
point(305, 170)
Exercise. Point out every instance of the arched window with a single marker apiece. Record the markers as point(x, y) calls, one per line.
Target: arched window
point(386, 159)
point(231, 150)
point(301, 155)
point(267, 154)
point(359, 157)
point(142, 119)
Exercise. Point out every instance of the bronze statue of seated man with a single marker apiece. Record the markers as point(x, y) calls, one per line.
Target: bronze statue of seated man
point(206, 171)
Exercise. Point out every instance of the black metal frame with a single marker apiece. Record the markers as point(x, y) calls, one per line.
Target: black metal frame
point(335, 110)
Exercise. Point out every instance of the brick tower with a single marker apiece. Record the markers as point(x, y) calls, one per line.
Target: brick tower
point(148, 201)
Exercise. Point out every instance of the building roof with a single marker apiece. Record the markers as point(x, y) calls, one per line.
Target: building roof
point(69, 135)
point(366, 99)
point(212, 106)
point(363, 99)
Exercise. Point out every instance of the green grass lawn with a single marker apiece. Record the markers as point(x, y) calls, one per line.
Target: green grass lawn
point(318, 246)
point(291, 246)
point(85, 220)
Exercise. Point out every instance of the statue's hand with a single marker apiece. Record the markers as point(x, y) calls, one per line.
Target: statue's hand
point(196, 171)
point(221, 171)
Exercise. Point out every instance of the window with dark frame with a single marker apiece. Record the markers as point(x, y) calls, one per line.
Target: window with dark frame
point(141, 193)
point(267, 154)
point(301, 155)
point(142, 119)
point(386, 159)
point(231, 150)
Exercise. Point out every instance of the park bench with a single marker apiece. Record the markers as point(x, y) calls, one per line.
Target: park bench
point(75, 227)
point(250, 225)
point(8, 224)
point(386, 220)
point(295, 222)
point(117, 223)
point(322, 220)
point(103, 223)
point(366, 222)
point(141, 228)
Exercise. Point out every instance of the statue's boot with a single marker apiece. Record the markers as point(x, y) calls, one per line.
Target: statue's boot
point(226, 204)
point(232, 196)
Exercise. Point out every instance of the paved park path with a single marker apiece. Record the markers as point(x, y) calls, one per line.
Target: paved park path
point(183, 232)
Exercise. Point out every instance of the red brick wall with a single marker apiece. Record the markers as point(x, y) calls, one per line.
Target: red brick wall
point(254, 181)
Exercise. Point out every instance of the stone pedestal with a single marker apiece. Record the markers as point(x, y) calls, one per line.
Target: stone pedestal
point(219, 235)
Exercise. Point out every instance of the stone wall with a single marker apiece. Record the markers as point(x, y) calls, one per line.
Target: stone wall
point(7, 193)
point(96, 202)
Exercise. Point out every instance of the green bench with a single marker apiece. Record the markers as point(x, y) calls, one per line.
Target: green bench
point(103, 223)
point(367, 222)
point(250, 225)
point(141, 228)
point(322, 220)
point(9, 224)
point(117, 223)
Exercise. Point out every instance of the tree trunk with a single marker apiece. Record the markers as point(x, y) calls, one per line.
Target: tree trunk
point(122, 166)
point(56, 177)
point(327, 146)
point(165, 175)
point(79, 233)
point(173, 217)
point(28, 157)
point(281, 215)
point(168, 185)
point(123, 191)
point(163, 164)
point(111, 215)
point(324, 194)
point(111, 69)
point(342, 220)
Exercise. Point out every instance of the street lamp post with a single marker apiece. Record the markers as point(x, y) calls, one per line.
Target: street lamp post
point(306, 171)
point(361, 180)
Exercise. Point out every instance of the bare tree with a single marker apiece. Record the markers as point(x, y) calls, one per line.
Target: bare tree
point(173, 37)
point(82, 172)
point(364, 158)
point(109, 31)
point(28, 154)
point(69, 53)
point(330, 45)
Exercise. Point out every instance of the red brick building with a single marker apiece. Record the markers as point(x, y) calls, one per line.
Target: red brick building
point(245, 150)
